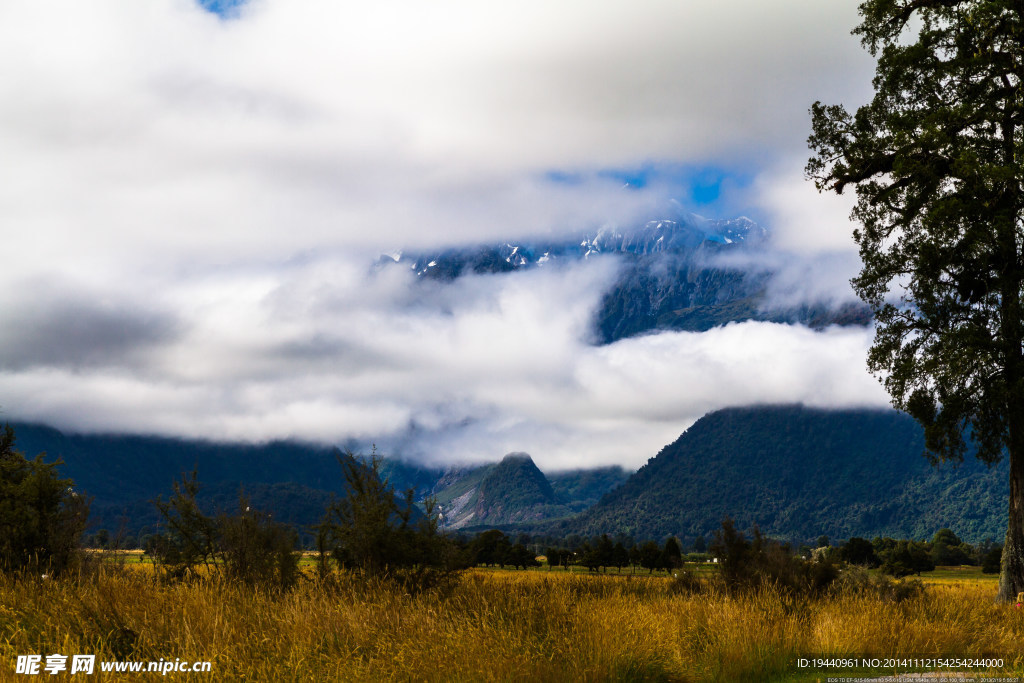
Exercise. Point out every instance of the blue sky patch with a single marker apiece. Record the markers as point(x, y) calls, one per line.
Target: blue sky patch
point(222, 8)
point(715, 190)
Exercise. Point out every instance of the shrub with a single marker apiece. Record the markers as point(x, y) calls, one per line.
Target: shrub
point(747, 565)
point(257, 550)
point(685, 583)
point(247, 547)
point(858, 581)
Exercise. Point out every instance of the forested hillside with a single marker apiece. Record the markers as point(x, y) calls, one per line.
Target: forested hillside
point(800, 473)
point(122, 474)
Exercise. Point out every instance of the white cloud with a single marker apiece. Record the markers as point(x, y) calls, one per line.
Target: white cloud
point(163, 132)
point(810, 252)
point(209, 192)
point(804, 220)
point(467, 371)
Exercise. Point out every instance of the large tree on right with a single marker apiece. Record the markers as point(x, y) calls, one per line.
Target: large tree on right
point(936, 162)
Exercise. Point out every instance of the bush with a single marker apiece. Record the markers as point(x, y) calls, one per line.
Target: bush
point(41, 517)
point(859, 581)
point(247, 547)
point(256, 550)
point(747, 565)
point(993, 559)
point(685, 583)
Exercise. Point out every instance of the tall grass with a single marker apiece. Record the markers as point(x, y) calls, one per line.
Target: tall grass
point(492, 626)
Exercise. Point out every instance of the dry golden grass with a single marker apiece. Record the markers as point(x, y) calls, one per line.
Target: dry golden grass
point(493, 626)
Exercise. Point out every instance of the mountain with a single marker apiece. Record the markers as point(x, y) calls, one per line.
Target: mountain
point(507, 492)
point(800, 473)
point(797, 472)
point(402, 475)
point(122, 474)
point(670, 276)
point(295, 482)
point(582, 488)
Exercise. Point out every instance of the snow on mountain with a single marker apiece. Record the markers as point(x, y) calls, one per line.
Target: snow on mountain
point(682, 234)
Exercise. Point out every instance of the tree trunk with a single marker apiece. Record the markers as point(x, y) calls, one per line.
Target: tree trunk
point(1011, 569)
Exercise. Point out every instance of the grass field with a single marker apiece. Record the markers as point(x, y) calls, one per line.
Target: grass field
point(495, 625)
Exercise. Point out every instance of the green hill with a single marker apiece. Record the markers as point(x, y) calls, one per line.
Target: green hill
point(123, 474)
point(800, 473)
point(512, 490)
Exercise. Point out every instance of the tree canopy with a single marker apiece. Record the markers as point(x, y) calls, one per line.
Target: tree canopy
point(935, 159)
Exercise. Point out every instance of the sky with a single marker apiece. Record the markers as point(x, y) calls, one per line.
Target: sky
point(192, 197)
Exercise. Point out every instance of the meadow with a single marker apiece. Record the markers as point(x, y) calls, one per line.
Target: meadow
point(494, 625)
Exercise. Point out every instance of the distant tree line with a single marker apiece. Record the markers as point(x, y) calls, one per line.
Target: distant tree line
point(904, 557)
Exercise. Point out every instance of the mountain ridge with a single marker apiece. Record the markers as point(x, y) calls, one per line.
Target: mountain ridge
point(671, 276)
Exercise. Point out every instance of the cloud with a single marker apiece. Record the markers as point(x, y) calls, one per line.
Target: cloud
point(464, 372)
point(810, 252)
point(202, 196)
point(57, 326)
point(169, 133)
point(804, 220)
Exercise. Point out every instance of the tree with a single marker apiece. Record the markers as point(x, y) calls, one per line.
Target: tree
point(41, 517)
point(650, 556)
point(991, 560)
point(490, 548)
point(948, 549)
point(635, 556)
point(372, 532)
point(699, 544)
point(620, 556)
point(190, 539)
point(859, 551)
point(935, 159)
point(604, 551)
point(735, 555)
point(589, 557)
point(908, 557)
point(671, 554)
point(520, 556)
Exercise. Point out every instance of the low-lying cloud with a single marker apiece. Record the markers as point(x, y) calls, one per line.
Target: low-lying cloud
point(464, 371)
